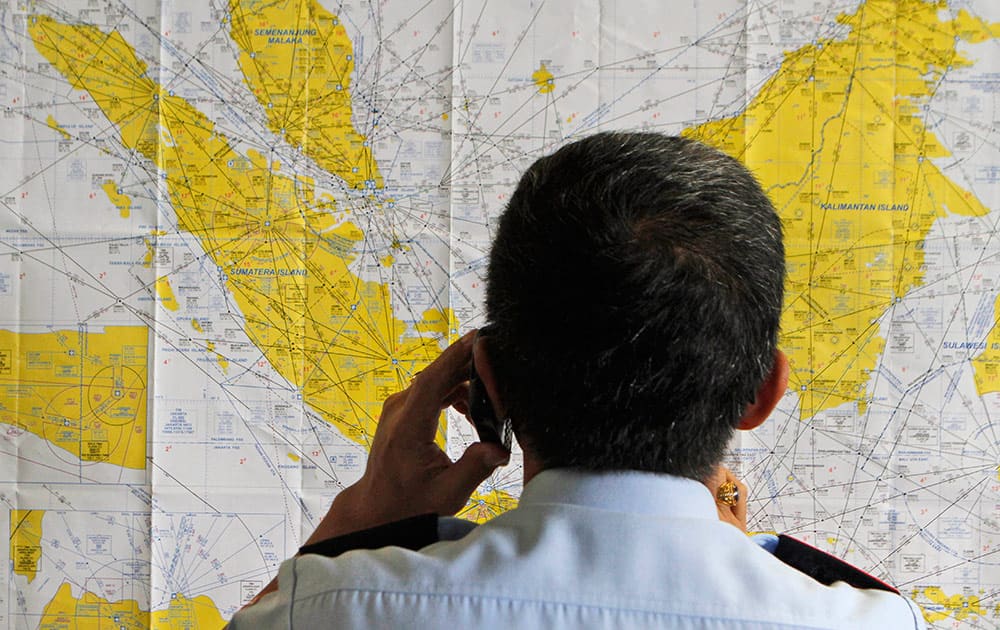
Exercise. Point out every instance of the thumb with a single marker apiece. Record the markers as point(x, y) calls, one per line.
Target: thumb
point(461, 479)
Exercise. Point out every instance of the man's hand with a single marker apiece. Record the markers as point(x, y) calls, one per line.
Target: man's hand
point(732, 514)
point(407, 474)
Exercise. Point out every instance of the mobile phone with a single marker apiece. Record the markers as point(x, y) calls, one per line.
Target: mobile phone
point(481, 411)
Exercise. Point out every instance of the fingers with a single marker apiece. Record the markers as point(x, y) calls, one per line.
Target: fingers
point(432, 386)
point(740, 509)
point(458, 398)
point(459, 481)
point(731, 512)
point(407, 472)
point(391, 413)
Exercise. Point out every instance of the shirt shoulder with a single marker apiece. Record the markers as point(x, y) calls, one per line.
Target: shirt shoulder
point(572, 566)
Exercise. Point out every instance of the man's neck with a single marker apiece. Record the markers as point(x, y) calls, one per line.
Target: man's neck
point(532, 466)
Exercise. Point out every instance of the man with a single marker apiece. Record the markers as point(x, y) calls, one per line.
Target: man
point(634, 294)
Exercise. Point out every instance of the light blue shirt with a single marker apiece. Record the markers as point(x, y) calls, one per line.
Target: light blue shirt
point(621, 550)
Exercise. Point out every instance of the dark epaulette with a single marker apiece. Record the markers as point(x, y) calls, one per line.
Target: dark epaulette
point(823, 567)
point(413, 533)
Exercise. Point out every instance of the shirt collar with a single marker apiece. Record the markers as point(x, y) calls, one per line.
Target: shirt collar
point(622, 491)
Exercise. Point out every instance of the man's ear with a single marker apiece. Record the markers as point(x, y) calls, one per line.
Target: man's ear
point(768, 394)
point(484, 367)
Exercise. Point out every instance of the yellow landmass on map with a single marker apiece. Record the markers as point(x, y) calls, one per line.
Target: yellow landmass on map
point(286, 260)
point(120, 201)
point(957, 606)
point(484, 506)
point(220, 358)
point(51, 122)
point(83, 392)
point(165, 293)
point(986, 366)
point(284, 257)
point(297, 60)
point(147, 260)
point(91, 612)
point(544, 80)
point(26, 541)
point(198, 613)
point(65, 612)
point(196, 325)
point(837, 140)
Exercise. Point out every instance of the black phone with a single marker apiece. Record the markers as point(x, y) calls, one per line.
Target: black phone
point(481, 411)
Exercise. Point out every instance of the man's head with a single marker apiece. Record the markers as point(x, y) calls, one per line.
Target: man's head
point(635, 289)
